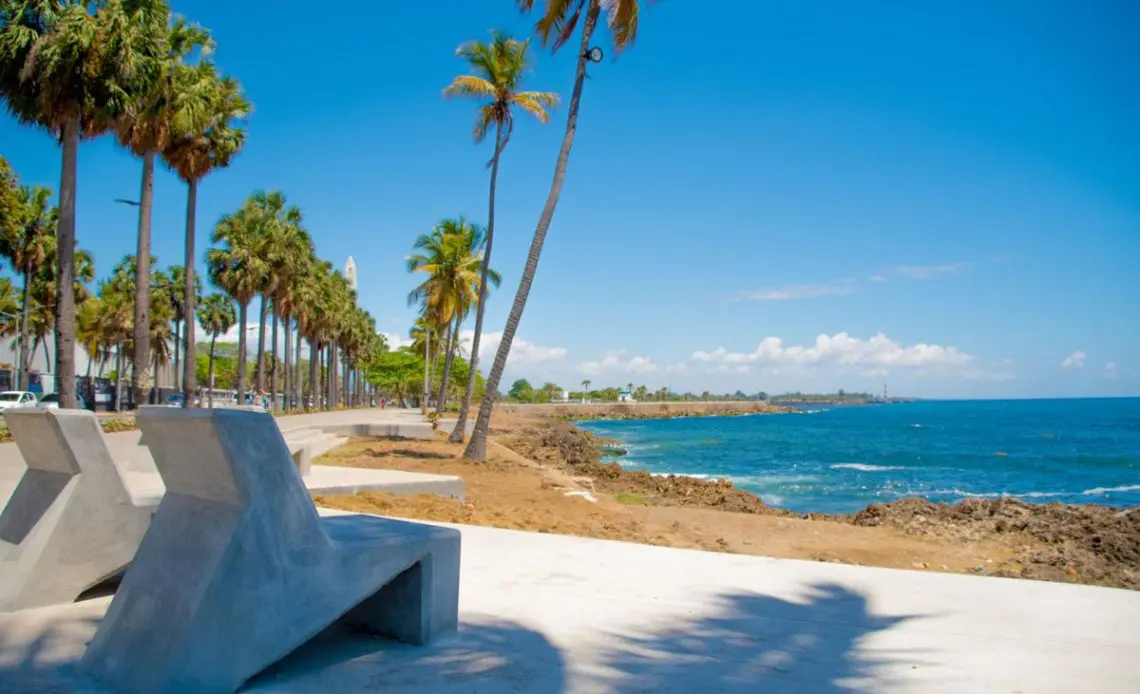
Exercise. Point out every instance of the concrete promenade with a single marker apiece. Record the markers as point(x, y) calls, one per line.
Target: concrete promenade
point(547, 614)
point(146, 486)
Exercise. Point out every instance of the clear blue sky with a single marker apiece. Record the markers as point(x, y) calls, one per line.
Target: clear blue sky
point(961, 177)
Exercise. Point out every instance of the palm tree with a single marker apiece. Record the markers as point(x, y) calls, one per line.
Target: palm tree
point(87, 332)
point(25, 245)
point(172, 104)
point(238, 268)
point(277, 222)
point(425, 340)
point(556, 25)
point(175, 290)
point(116, 322)
point(10, 204)
point(315, 295)
point(292, 269)
point(71, 68)
point(585, 389)
point(499, 68)
point(161, 313)
point(193, 155)
point(216, 314)
point(452, 258)
point(45, 296)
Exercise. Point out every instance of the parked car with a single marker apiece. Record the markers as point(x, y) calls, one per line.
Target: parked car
point(16, 398)
point(51, 401)
point(176, 400)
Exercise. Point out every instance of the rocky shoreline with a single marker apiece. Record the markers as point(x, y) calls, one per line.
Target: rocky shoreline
point(1080, 544)
point(574, 412)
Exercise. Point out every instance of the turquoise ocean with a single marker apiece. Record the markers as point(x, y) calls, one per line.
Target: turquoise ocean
point(840, 459)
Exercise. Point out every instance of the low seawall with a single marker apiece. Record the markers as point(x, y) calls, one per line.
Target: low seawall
point(641, 410)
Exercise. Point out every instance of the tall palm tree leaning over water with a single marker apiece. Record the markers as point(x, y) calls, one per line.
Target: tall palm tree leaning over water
point(556, 25)
point(193, 155)
point(499, 68)
point(72, 68)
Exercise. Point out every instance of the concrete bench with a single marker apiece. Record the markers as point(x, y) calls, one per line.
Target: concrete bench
point(70, 523)
point(238, 570)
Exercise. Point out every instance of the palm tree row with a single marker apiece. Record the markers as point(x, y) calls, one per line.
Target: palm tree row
point(129, 67)
point(262, 251)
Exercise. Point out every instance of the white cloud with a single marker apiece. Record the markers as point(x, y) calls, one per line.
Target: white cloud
point(877, 279)
point(1110, 370)
point(925, 272)
point(618, 362)
point(678, 368)
point(715, 355)
point(396, 340)
point(844, 350)
point(522, 351)
point(1076, 360)
point(799, 291)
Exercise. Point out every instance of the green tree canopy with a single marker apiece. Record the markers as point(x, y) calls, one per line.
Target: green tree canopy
point(522, 391)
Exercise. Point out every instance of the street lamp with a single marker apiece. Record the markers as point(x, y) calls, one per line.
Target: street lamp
point(594, 55)
point(132, 203)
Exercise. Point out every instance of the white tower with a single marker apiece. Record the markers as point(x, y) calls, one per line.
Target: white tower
point(350, 272)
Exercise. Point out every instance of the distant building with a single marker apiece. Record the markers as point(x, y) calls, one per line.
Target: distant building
point(625, 395)
point(350, 272)
point(563, 397)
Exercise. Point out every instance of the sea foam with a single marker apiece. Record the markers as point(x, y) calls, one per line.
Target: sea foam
point(862, 467)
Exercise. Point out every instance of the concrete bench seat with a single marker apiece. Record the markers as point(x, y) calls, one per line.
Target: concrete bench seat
point(238, 570)
point(71, 522)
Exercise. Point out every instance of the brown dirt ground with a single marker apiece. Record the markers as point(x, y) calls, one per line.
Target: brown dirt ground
point(514, 491)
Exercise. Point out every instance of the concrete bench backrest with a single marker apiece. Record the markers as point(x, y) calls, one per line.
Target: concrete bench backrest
point(231, 457)
point(58, 446)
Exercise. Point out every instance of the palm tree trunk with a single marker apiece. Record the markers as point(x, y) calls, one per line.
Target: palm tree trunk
point(477, 447)
point(273, 362)
point(25, 316)
point(298, 392)
point(460, 431)
point(427, 368)
point(243, 311)
point(177, 354)
point(140, 375)
point(210, 369)
point(261, 346)
point(65, 268)
point(314, 373)
point(452, 331)
point(188, 361)
point(287, 374)
point(119, 378)
point(330, 374)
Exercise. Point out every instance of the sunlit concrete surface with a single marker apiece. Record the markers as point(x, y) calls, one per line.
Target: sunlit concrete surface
point(146, 486)
point(545, 614)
